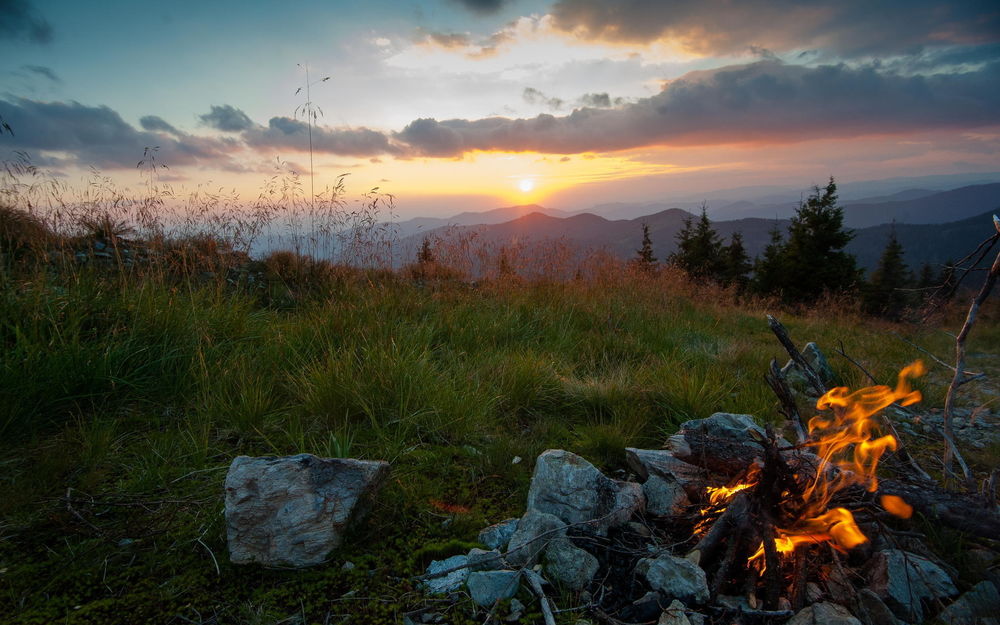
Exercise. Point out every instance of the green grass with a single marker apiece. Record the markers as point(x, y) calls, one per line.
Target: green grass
point(137, 393)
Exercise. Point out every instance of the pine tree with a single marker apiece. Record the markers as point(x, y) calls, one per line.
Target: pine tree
point(426, 254)
point(814, 257)
point(769, 269)
point(699, 249)
point(644, 260)
point(735, 263)
point(883, 295)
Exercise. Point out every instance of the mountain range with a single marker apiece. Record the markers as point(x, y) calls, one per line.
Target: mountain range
point(932, 226)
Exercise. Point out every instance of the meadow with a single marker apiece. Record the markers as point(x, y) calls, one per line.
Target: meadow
point(139, 359)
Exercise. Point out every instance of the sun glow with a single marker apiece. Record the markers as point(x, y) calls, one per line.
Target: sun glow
point(526, 185)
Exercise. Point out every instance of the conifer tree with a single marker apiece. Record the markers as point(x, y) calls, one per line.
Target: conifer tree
point(814, 257)
point(426, 254)
point(883, 295)
point(768, 270)
point(644, 259)
point(699, 250)
point(735, 262)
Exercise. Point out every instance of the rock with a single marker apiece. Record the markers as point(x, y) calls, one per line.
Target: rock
point(813, 592)
point(534, 532)
point(482, 560)
point(676, 578)
point(487, 587)
point(727, 426)
point(875, 612)
point(572, 489)
point(450, 582)
point(902, 580)
point(516, 611)
point(795, 376)
point(824, 614)
point(569, 565)
point(663, 463)
point(498, 535)
point(664, 497)
point(674, 615)
point(293, 510)
point(979, 606)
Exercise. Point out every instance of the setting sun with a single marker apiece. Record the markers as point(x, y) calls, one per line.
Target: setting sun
point(526, 185)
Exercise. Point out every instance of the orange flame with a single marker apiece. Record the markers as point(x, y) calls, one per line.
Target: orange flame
point(849, 447)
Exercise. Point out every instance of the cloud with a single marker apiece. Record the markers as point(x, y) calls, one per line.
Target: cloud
point(98, 136)
point(766, 101)
point(154, 123)
point(288, 133)
point(534, 96)
point(40, 70)
point(599, 100)
point(450, 40)
point(844, 27)
point(20, 20)
point(483, 6)
point(226, 118)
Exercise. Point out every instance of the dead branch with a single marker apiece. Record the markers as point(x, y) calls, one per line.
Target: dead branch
point(535, 581)
point(776, 381)
point(951, 452)
point(811, 376)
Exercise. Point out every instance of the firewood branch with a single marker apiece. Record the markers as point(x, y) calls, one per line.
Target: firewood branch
point(811, 376)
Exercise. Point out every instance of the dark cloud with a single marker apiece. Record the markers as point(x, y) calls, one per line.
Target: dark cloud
point(288, 133)
point(765, 101)
point(483, 6)
point(226, 118)
point(843, 27)
point(449, 40)
point(154, 123)
point(44, 72)
point(98, 136)
point(534, 96)
point(599, 100)
point(20, 20)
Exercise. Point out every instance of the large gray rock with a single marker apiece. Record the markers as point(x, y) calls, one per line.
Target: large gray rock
point(569, 565)
point(725, 426)
point(824, 614)
point(534, 532)
point(675, 578)
point(488, 587)
point(902, 580)
point(482, 560)
point(875, 611)
point(498, 535)
point(449, 582)
point(663, 463)
point(978, 606)
point(293, 511)
point(664, 497)
point(569, 487)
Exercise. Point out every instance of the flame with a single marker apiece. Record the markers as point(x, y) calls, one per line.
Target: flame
point(849, 445)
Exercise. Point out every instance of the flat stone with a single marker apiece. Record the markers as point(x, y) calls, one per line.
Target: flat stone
point(450, 582)
point(488, 587)
point(664, 497)
point(569, 565)
point(534, 532)
point(498, 535)
point(674, 615)
point(875, 611)
point(294, 510)
point(675, 578)
point(978, 606)
point(663, 463)
point(572, 489)
point(482, 560)
point(903, 580)
point(824, 614)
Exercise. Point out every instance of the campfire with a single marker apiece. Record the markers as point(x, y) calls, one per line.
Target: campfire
point(783, 504)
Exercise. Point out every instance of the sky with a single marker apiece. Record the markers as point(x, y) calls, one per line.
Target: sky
point(454, 105)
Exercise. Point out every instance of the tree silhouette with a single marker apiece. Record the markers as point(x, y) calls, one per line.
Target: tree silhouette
point(699, 250)
point(883, 295)
point(736, 264)
point(644, 259)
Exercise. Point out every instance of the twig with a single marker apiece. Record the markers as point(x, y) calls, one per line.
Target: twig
point(776, 381)
point(951, 451)
point(535, 581)
point(969, 376)
point(811, 376)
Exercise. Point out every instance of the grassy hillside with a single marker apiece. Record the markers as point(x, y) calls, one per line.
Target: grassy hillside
point(123, 398)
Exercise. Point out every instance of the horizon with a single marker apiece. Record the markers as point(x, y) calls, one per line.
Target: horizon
point(469, 105)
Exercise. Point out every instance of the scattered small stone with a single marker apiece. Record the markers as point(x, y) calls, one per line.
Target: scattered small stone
point(450, 582)
point(516, 611)
point(498, 535)
point(534, 531)
point(348, 566)
point(676, 578)
point(902, 580)
point(674, 615)
point(979, 606)
point(874, 611)
point(824, 614)
point(569, 565)
point(486, 587)
point(639, 529)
